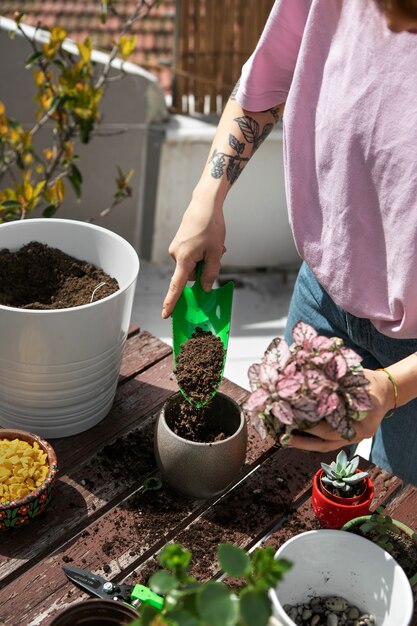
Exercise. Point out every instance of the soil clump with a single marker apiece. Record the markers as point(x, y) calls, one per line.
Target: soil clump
point(38, 276)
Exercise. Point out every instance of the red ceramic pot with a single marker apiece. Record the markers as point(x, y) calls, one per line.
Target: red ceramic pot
point(333, 514)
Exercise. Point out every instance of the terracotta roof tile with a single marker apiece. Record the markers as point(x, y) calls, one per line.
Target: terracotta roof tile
point(155, 32)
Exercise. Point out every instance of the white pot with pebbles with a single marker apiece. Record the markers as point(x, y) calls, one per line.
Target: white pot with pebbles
point(340, 581)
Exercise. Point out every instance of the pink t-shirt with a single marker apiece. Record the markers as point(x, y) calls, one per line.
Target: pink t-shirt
point(350, 146)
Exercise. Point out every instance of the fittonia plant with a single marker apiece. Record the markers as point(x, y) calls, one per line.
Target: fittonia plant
point(315, 378)
point(342, 473)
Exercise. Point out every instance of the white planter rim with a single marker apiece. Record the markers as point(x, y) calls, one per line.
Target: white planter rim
point(95, 227)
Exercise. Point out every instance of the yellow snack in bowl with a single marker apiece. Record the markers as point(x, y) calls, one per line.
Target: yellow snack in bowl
point(23, 468)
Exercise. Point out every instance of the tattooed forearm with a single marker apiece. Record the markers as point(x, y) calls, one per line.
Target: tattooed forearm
point(234, 92)
point(234, 162)
point(276, 112)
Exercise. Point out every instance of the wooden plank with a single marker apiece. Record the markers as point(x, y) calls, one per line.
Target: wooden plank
point(141, 351)
point(404, 507)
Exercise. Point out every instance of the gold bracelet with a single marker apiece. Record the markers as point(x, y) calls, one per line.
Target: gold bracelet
point(395, 387)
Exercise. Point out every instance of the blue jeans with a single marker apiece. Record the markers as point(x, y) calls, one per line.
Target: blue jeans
point(394, 447)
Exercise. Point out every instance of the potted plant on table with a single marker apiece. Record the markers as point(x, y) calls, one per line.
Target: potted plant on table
point(391, 535)
point(189, 602)
point(340, 491)
point(200, 438)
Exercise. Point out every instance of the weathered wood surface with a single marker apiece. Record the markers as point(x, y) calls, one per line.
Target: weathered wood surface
point(103, 518)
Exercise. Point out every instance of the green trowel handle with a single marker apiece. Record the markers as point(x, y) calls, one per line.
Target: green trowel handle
point(144, 594)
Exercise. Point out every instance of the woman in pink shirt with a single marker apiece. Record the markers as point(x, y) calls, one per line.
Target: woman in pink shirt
point(343, 75)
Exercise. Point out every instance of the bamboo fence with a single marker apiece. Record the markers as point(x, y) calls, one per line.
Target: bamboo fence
point(213, 38)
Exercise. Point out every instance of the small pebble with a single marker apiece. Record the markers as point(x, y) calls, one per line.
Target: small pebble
point(328, 611)
point(332, 619)
point(336, 604)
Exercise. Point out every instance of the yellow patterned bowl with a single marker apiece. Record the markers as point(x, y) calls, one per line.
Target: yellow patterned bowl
point(20, 511)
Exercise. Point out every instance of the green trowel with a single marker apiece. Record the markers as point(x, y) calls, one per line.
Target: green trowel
point(211, 311)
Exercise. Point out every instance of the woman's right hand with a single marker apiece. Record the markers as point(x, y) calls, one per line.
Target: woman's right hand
point(200, 237)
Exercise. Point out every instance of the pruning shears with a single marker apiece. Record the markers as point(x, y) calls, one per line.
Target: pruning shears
point(135, 595)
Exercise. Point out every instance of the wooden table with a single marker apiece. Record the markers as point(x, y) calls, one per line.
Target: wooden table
point(102, 519)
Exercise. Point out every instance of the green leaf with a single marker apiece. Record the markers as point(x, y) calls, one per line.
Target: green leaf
point(255, 607)
point(163, 582)
point(32, 59)
point(152, 483)
point(104, 11)
point(366, 527)
point(175, 558)
point(148, 613)
point(50, 210)
point(59, 64)
point(75, 178)
point(182, 618)
point(233, 560)
point(268, 571)
point(56, 100)
point(19, 161)
point(10, 204)
point(217, 606)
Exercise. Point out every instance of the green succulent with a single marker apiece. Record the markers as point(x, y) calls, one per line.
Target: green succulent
point(381, 528)
point(342, 473)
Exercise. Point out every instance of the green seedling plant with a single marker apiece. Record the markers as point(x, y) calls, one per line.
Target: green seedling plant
point(189, 602)
point(381, 528)
point(342, 474)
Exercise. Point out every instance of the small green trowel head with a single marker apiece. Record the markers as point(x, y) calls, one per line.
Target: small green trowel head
point(197, 308)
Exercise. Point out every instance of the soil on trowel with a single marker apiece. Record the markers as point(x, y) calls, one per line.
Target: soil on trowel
point(198, 372)
point(40, 277)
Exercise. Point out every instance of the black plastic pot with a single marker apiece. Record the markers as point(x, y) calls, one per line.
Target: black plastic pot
point(96, 612)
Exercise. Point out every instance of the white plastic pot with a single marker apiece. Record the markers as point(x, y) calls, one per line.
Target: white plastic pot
point(59, 368)
point(330, 563)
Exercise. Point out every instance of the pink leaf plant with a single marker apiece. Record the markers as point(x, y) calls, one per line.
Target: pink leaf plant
point(314, 378)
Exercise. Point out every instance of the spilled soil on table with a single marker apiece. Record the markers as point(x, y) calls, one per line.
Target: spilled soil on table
point(40, 277)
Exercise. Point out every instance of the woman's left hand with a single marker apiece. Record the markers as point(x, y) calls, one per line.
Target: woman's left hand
point(323, 438)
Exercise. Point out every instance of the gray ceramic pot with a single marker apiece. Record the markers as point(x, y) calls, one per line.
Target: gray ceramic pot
point(202, 470)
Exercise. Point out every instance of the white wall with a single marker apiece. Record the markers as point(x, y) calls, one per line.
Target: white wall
point(258, 233)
